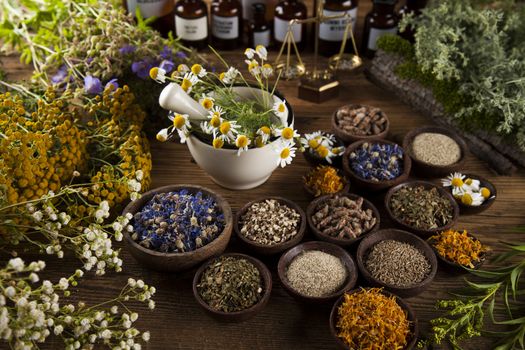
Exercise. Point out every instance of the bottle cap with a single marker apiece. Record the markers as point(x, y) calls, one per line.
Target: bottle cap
point(259, 7)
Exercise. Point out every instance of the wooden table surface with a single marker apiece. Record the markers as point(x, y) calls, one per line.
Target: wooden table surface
point(179, 323)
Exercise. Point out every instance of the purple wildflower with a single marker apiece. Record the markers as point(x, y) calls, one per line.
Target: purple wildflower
point(92, 85)
point(113, 82)
point(89, 60)
point(127, 49)
point(142, 68)
point(167, 65)
point(60, 75)
point(181, 54)
point(166, 53)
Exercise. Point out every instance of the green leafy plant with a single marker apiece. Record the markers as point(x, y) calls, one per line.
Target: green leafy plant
point(464, 317)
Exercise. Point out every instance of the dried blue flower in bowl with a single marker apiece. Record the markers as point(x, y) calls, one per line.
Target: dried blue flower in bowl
point(176, 227)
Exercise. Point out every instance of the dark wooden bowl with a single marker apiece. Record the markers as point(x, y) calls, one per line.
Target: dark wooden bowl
point(453, 267)
point(426, 185)
point(401, 236)
point(314, 160)
point(263, 249)
point(428, 170)
point(368, 184)
point(237, 316)
point(174, 262)
point(311, 192)
point(411, 316)
point(471, 209)
point(343, 242)
point(329, 248)
point(349, 138)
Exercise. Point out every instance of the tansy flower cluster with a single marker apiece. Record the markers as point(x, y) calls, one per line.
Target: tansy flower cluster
point(467, 190)
point(323, 145)
point(31, 310)
point(231, 121)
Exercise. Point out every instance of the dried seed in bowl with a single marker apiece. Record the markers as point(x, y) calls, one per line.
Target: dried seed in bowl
point(436, 149)
point(342, 217)
point(362, 121)
point(269, 222)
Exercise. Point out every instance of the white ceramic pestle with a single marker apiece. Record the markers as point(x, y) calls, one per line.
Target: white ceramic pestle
point(175, 99)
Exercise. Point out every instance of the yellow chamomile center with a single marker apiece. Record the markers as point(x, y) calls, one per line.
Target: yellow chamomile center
point(266, 130)
point(285, 153)
point(322, 151)
point(281, 108)
point(178, 121)
point(242, 141)
point(457, 182)
point(153, 72)
point(225, 127)
point(218, 143)
point(466, 199)
point(313, 143)
point(186, 84)
point(207, 103)
point(336, 150)
point(287, 133)
point(181, 68)
point(161, 137)
point(468, 181)
point(259, 142)
point(253, 65)
point(222, 75)
point(485, 192)
point(196, 69)
point(215, 121)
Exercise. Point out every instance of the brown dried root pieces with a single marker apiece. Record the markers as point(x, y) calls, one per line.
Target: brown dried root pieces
point(362, 121)
point(343, 217)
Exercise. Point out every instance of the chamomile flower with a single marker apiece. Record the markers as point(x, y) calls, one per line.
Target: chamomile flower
point(322, 151)
point(158, 74)
point(181, 122)
point(279, 109)
point(287, 133)
point(472, 198)
point(183, 69)
point(163, 135)
point(188, 82)
point(249, 53)
point(242, 142)
point(457, 192)
point(229, 76)
point(207, 102)
point(264, 133)
point(286, 154)
point(261, 52)
point(198, 70)
point(454, 180)
point(228, 130)
point(485, 192)
point(253, 67)
point(217, 143)
point(207, 128)
point(267, 70)
point(473, 184)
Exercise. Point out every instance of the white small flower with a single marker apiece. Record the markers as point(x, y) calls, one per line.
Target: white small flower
point(266, 70)
point(16, 264)
point(261, 52)
point(76, 173)
point(163, 135)
point(250, 53)
point(132, 283)
point(198, 70)
point(146, 336)
point(454, 180)
point(106, 334)
point(10, 291)
point(181, 122)
point(37, 216)
point(58, 330)
point(280, 109)
point(286, 154)
point(33, 277)
point(151, 305)
point(188, 82)
point(134, 196)
point(140, 283)
point(230, 75)
point(158, 74)
point(134, 316)
point(117, 227)
point(63, 284)
point(114, 309)
point(139, 175)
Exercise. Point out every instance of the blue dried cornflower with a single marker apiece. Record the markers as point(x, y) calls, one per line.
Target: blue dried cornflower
point(166, 53)
point(142, 68)
point(377, 161)
point(113, 82)
point(92, 85)
point(60, 76)
point(127, 49)
point(178, 221)
point(167, 65)
point(181, 55)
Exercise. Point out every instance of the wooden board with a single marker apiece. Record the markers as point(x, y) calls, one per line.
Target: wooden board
point(179, 323)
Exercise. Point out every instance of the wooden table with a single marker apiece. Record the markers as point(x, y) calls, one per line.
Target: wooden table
point(178, 323)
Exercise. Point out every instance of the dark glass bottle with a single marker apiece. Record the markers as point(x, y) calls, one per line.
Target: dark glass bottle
point(285, 11)
point(331, 32)
point(161, 9)
point(260, 32)
point(378, 22)
point(226, 24)
point(411, 6)
point(191, 23)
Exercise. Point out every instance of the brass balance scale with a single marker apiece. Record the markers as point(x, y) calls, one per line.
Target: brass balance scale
point(317, 85)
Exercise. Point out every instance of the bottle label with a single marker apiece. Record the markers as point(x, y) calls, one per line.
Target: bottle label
point(150, 8)
point(375, 34)
point(247, 9)
point(225, 27)
point(334, 29)
point(280, 27)
point(191, 29)
point(261, 38)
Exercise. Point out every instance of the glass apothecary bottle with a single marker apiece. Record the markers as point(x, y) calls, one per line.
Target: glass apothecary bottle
point(191, 23)
point(285, 11)
point(380, 21)
point(331, 32)
point(161, 9)
point(411, 7)
point(260, 32)
point(226, 24)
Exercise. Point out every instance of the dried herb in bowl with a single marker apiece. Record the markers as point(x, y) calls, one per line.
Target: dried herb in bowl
point(377, 161)
point(459, 247)
point(368, 319)
point(421, 208)
point(230, 284)
point(179, 221)
point(324, 180)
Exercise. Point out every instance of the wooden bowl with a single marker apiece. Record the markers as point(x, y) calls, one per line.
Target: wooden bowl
point(329, 248)
point(349, 138)
point(401, 236)
point(343, 242)
point(471, 209)
point(314, 160)
point(174, 262)
point(429, 170)
point(411, 316)
point(426, 185)
point(368, 184)
point(237, 316)
point(453, 267)
point(263, 249)
point(311, 192)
